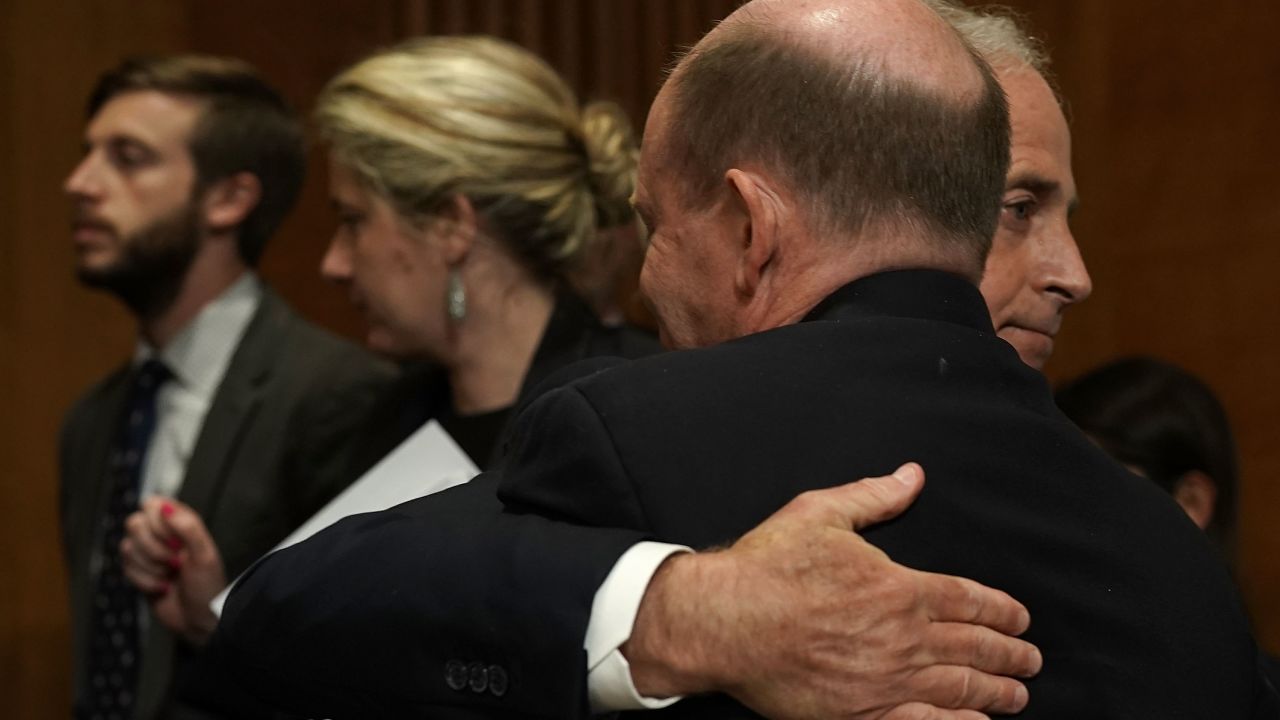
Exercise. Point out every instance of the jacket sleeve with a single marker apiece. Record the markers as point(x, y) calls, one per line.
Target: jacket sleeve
point(441, 607)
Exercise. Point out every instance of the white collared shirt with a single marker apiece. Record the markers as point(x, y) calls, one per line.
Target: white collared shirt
point(198, 357)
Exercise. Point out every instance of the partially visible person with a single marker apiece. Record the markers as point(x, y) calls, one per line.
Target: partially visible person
point(1034, 271)
point(1166, 425)
point(468, 184)
point(609, 278)
point(230, 402)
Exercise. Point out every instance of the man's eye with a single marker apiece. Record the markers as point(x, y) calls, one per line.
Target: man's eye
point(130, 157)
point(350, 221)
point(1021, 210)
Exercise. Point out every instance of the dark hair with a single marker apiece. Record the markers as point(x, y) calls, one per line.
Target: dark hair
point(246, 127)
point(1162, 420)
point(866, 150)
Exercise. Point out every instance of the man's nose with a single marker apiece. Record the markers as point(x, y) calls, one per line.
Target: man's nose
point(1067, 277)
point(82, 183)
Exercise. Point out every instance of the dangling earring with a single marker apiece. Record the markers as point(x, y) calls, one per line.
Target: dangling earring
point(456, 297)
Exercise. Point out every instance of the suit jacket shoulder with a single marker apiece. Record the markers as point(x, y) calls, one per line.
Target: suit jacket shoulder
point(1134, 614)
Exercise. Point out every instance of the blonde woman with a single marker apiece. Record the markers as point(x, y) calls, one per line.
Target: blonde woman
point(468, 184)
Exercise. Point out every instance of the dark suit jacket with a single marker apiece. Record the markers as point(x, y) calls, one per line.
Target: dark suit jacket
point(1132, 610)
point(457, 544)
point(1135, 615)
point(268, 456)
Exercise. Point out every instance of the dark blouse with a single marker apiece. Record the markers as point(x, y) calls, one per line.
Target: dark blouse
point(573, 333)
point(476, 434)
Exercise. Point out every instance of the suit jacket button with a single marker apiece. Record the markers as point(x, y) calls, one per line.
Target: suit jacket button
point(455, 674)
point(479, 677)
point(497, 681)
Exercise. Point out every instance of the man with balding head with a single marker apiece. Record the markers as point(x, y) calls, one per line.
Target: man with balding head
point(846, 254)
point(828, 271)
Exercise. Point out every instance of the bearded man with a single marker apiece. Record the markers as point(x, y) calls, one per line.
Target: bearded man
point(231, 403)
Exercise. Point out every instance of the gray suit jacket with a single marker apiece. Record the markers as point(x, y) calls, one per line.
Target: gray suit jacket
point(270, 453)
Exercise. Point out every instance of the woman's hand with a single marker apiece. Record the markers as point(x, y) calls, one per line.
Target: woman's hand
point(168, 554)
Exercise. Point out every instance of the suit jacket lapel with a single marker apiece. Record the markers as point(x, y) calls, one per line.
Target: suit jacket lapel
point(225, 426)
point(92, 462)
point(233, 407)
point(87, 482)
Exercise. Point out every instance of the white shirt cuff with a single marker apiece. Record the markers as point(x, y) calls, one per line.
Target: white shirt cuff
point(613, 614)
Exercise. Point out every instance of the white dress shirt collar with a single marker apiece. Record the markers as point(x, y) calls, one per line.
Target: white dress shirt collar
point(199, 354)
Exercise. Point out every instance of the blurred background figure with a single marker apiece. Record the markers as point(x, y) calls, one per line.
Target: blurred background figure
point(468, 185)
point(1164, 424)
point(231, 401)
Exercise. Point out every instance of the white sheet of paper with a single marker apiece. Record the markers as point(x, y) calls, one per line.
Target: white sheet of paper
point(427, 462)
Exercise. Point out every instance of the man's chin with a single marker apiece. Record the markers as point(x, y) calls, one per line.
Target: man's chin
point(99, 275)
point(1034, 347)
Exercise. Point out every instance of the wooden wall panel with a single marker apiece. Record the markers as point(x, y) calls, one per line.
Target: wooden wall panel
point(57, 338)
point(612, 50)
point(299, 45)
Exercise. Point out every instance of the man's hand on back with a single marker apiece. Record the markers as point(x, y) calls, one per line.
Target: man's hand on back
point(802, 618)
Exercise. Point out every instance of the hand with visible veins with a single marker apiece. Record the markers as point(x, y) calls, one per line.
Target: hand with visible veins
point(170, 557)
point(802, 618)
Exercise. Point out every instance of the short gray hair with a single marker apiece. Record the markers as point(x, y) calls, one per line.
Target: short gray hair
point(997, 33)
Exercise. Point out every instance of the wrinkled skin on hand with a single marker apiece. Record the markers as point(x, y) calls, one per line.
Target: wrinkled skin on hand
point(802, 618)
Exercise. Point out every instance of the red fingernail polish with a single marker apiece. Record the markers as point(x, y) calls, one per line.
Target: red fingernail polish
point(166, 510)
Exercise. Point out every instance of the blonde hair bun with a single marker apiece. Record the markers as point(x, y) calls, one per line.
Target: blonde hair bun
point(486, 119)
point(612, 156)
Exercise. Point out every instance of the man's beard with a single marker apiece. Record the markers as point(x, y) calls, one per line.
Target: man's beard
point(153, 263)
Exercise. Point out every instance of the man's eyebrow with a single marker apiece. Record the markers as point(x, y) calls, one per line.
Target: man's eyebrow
point(1038, 184)
point(126, 140)
point(115, 139)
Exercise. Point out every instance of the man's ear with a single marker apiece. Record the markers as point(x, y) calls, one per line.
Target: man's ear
point(227, 202)
point(1197, 493)
point(459, 225)
point(761, 212)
